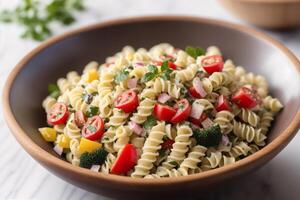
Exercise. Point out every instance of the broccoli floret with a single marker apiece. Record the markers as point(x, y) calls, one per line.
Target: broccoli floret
point(208, 137)
point(96, 157)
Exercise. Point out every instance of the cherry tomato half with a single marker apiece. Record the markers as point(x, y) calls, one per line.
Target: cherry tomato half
point(245, 98)
point(167, 144)
point(58, 114)
point(125, 161)
point(127, 101)
point(183, 108)
point(198, 121)
point(223, 104)
point(194, 93)
point(212, 64)
point(79, 118)
point(93, 128)
point(163, 112)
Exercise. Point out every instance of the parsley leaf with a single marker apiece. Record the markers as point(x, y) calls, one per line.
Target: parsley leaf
point(36, 16)
point(153, 69)
point(174, 163)
point(121, 76)
point(91, 128)
point(92, 111)
point(148, 77)
point(150, 122)
point(194, 51)
point(53, 90)
point(165, 66)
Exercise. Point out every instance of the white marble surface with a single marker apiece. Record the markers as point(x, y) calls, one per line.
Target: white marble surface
point(23, 178)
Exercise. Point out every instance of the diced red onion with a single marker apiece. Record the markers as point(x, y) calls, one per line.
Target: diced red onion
point(163, 97)
point(137, 129)
point(95, 168)
point(199, 87)
point(139, 64)
point(58, 149)
point(197, 110)
point(225, 140)
point(132, 83)
point(207, 123)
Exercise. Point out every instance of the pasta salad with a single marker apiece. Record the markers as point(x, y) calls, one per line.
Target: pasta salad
point(165, 112)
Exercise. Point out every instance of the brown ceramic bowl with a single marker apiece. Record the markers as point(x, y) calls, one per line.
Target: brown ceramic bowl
point(276, 14)
point(26, 88)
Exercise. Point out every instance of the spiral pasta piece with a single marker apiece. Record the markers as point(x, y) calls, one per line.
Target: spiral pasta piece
point(118, 118)
point(122, 137)
point(272, 104)
point(183, 59)
point(150, 151)
point(48, 103)
point(265, 122)
point(213, 50)
point(108, 139)
point(73, 78)
point(249, 117)
point(219, 79)
point(71, 128)
point(143, 111)
point(212, 161)
point(179, 149)
point(248, 133)
point(161, 85)
point(76, 100)
point(224, 119)
point(106, 83)
point(187, 74)
point(106, 167)
point(239, 149)
point(64, 85)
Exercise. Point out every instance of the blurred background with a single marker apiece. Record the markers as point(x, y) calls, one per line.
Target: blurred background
point(23, 178)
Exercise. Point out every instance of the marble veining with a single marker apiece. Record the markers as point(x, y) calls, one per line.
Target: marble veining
point(23, 178)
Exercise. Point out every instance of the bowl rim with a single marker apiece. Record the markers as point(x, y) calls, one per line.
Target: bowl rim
point(47, 159)
point(267, 1)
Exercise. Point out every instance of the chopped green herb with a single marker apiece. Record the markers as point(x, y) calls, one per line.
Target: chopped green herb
point(92, 111)
point(208, 137)
point(36, 16)
point(194, 51)
point(91, 128)
point(121, 76)
point(95, 93)
point(165, 65)
point(174, 163)
point(53, 90)
point(148, 77)
point(153, 69)
point(150, 122)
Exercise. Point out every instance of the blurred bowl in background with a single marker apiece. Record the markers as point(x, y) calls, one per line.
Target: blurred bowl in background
point(275, 14)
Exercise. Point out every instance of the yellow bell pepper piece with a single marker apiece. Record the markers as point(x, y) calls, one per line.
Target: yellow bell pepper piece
point(92, 75)
point(86, 145)
point(64, 141)
point(49, 134)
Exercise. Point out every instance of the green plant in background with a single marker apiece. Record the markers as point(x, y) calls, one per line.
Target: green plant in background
point(36, 17)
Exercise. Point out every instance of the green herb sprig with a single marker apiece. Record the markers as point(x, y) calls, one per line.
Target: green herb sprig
point(121, 76)
point(53, 90)
point(92, 111)
point(154, 73)
point(36, 17)
point(150, 122)
point(194, 51)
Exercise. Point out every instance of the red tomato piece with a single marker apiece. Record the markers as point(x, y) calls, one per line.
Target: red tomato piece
point(170, 64)
point(245, 98)
point(93, 128)
point(183, 108)
point(163, 112)
point(194, 93)
point(198, 121)
point(167, 144)
point(127, 101)
point(79, 118)
point(223, 104)
point(212, 64)
point(58, 114)
point(126, 160)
